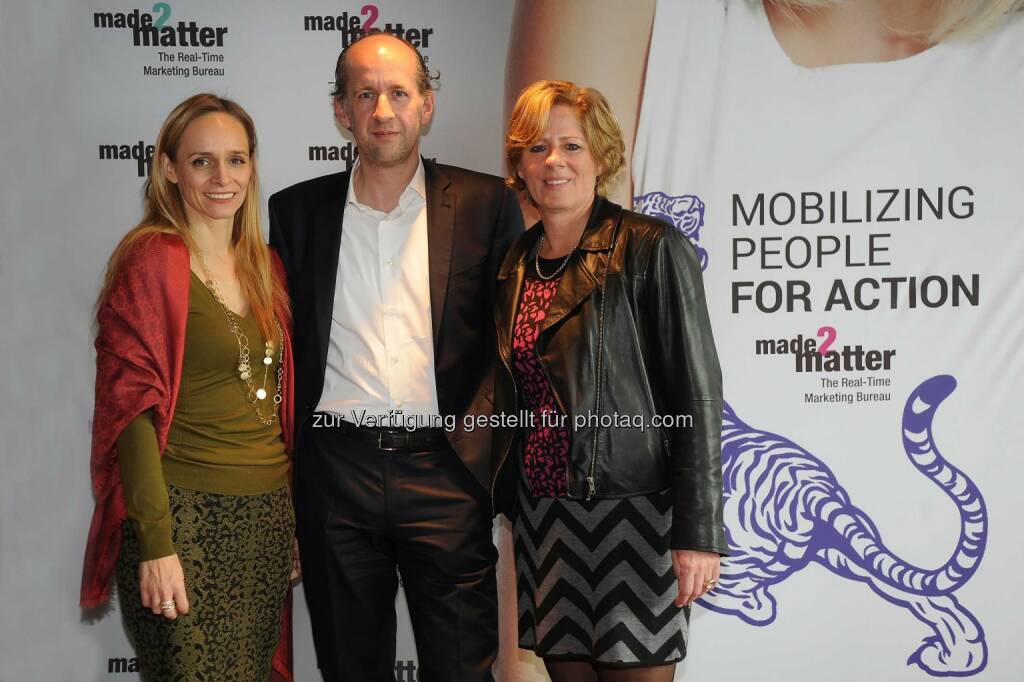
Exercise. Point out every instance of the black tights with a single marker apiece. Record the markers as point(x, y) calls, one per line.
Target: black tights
point(583, 671)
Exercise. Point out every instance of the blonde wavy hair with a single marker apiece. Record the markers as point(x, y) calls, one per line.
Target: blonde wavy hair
point(600, 128)
point(954, 19)
point(164, 213)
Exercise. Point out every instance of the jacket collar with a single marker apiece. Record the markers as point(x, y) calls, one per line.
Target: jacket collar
point(597, 236)
point(578, 281)
point(604, 216)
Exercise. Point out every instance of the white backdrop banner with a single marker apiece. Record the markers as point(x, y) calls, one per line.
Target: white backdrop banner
point(83, 91)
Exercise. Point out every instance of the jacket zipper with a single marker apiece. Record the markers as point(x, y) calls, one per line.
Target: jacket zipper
point(591, 485)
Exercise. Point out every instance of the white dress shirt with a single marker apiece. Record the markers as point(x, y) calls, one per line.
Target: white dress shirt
point(380, 358)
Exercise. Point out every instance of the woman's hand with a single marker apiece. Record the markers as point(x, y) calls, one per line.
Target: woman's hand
point(296, 565)
point(697, 572)
point(162, 583)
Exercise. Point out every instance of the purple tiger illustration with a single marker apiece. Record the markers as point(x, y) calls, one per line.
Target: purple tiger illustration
point(784, 508)
point(686, 212)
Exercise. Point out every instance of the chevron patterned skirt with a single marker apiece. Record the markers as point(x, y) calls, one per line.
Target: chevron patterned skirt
point(595, 580)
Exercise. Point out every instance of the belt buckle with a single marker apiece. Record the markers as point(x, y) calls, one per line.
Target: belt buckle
point(380, 443)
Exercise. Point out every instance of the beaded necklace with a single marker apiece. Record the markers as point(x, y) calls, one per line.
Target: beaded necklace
point(256, 395)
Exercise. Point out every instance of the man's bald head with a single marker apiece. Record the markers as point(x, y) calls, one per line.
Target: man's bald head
point(374, 41)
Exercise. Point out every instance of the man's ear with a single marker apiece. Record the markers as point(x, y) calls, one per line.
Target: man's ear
point(428, 108)
point(341, 114)
point(168, 167)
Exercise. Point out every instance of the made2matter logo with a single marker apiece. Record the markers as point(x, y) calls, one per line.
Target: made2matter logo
point(685, 212)
point(152, 29)
point(813, 357)
point(784, 508)
point(352, 25)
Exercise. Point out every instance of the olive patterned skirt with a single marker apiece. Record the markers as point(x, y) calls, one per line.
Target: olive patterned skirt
point(236, 553)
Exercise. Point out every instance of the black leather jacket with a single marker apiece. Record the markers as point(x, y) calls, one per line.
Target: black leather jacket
point(658, 359)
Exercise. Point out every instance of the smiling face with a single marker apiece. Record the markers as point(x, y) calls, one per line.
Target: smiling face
point(211, 168)
point(383, 105)
point(558, 168)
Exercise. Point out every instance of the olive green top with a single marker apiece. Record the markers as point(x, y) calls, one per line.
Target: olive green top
point(215, 443)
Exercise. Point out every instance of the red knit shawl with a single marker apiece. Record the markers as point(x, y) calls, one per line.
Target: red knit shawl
point(139, 353)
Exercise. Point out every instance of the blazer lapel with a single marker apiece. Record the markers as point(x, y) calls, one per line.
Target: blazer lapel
point(326, 242)
point(440, 239)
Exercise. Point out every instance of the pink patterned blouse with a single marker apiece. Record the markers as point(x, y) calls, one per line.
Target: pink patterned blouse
point(546, 450)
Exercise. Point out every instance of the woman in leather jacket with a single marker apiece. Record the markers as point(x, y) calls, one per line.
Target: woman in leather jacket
point(608, 457)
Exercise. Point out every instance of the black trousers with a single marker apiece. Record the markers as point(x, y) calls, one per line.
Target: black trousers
point(362, 513)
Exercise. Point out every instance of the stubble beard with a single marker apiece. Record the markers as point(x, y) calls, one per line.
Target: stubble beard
point(389, 155)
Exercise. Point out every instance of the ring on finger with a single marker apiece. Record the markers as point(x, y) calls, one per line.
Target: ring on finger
point(167, 605)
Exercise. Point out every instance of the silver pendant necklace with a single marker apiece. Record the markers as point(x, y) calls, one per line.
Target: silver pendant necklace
point(558, 270)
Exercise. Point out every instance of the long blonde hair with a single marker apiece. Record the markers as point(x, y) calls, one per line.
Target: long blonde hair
point(164, 213)
point(954, 19)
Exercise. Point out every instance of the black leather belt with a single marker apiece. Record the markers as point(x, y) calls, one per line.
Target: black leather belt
point(392, 440)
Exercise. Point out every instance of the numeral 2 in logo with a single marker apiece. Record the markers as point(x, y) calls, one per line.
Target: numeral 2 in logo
point(165, 13)
point(830, 336)
point(371, 13)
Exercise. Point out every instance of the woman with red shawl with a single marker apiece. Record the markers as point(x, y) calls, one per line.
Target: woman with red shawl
point(192, 432)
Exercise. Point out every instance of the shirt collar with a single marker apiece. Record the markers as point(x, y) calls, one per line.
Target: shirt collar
point(417, 186)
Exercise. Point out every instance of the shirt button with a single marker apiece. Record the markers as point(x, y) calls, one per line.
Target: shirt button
point(388, 262)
